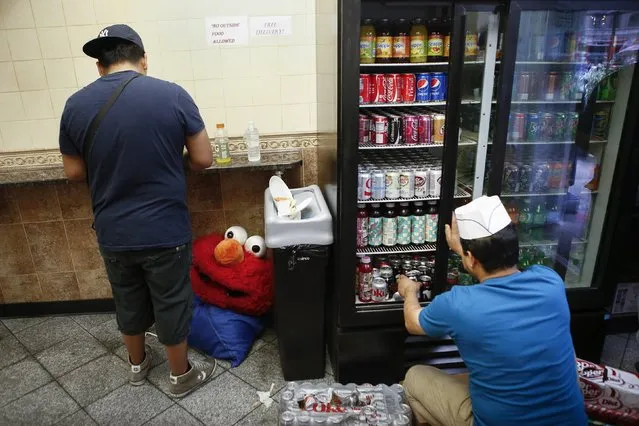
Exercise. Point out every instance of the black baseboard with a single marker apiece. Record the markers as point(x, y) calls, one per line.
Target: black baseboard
point(56, 308)
point(622, 323)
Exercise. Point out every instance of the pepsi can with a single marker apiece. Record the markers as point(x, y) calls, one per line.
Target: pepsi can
point(438, 86)
point(423, 87)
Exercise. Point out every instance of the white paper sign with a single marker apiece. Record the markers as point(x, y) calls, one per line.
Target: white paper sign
point(222, 30)
point(271, 26)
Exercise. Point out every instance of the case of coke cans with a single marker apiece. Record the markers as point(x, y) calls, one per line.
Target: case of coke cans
point(402, 88)
point(611, 395)
point(352, 405)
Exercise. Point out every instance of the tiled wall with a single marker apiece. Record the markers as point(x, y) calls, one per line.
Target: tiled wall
point(271, 80)
point(48, 251)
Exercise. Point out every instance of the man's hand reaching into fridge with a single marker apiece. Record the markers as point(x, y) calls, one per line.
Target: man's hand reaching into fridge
point(408, 290)
point(452, 237)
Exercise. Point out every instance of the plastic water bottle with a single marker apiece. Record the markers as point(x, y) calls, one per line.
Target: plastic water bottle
point(222, 154)
point(252, 141)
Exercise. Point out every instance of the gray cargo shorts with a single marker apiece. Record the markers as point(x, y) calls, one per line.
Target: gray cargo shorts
point(152, 286)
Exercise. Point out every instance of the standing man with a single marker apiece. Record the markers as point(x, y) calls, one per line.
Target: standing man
point(125, 133)
point(512, 331)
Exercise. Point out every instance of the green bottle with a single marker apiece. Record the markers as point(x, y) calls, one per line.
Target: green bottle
point(525, 220)
point(539, 220)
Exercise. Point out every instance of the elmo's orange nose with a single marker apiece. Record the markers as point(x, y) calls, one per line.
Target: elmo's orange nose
point(229, 252)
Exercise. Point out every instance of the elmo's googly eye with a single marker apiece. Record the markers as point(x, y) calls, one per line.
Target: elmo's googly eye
point(236, 233)
point(256, 246)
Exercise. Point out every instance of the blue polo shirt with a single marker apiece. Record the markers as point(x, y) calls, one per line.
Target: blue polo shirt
point(136, 170)
point(513, 333)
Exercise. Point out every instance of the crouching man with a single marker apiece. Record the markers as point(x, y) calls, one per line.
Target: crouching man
point(512, 331)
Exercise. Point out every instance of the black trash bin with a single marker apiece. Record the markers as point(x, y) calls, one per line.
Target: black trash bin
point(301, 250)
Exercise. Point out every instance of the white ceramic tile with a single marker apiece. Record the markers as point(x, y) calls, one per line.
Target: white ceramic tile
point(298, 89)
point(296, 118)
point(155, 67)
point(283, 7)
point(37, 104)
point(237, 7)
point(1, 143)
point(45, 134)
point(326, 88)
point(177, 66)
point(11, 107)
point(302, 32)
point(236, 62)
point(174, 35)
point(8, 81)
point(107, 11)
point(30, 75)
point(211, 117)
point(197, 34)
point(23, 44)
point(236, 119)
point(313, 123)
point(5, 53)
point(238, 92)
point(78, 12)
point(326, 29)
point(59, 99)
point(266, 90)
point(326, 118)
point(86, 71)
point(54, 42)
point(207, 63)
point(268, 119)
point(16, 14)
point(60, 73)
point(48, 13)
point(264, 61)
point(16, 135)
point(149, 34)
point(295, 60)
point(171, 9)
point(326, 59)
point(188, 85)
point(79, 35)
point(210, 93)
point(326, 6)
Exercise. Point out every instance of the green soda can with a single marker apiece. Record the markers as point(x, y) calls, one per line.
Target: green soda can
point(572, 122)
point(565, 85)
point(559, 131)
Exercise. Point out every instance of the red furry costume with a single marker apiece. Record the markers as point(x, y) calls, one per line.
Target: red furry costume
point(225, 275)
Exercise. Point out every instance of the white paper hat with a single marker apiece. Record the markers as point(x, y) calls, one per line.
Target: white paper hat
point(481, 218)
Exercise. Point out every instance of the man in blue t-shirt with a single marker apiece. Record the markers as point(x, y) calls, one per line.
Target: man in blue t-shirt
point(135, 169)
point(512, 331)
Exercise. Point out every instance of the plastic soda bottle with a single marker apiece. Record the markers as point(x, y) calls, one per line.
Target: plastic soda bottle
point(252, 141)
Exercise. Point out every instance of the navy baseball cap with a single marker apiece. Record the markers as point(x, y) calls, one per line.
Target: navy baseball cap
point(110, 34)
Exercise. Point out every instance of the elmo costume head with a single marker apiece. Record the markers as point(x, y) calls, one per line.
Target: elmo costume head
point(230, 271)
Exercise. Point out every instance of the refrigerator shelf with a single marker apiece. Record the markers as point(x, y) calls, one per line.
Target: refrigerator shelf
point(533, 194)
point(540, 102)
point(550, 63)
point(548, 243)
point(408, 65)
point(410, 248)
point(387, 146)
point(418, 104)
point(459, 193)
point(551, 142)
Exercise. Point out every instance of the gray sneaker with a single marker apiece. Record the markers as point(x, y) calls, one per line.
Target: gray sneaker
point(138, 373)
point(199, 373)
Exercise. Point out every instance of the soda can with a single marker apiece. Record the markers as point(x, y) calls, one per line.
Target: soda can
point(392, 185)
point(523, 86)
point(511, 178)
point(600, 125)
point(435, 183)
point(565, 85)
point(555, 46)
point(552, 84)
point(570, 45)
point(411, 129)
point(378, 89)
point(395, 124)
point(379, 290)
point(559, 129)
point(393, 88)
point(525, 178)
point(422, 183)
point(518, 127)
point(407, 184)
point(546, 125)
point(540, 176)
point(532, 127)
point(438, 86)
point(536, 86)
point(378, 191)
point(425, 128)
point(365, 90)
point(570, 133)
point(538, 48)
point(364, 186)
point(408, 88)
point(380, 124)
point(364, 136)
point(439, 127)
point(422, 92)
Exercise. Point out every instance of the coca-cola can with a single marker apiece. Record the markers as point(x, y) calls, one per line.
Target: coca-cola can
point(435, 183)
point(422, 183)
point(407, 184)
point(378, 89)
point(411, 129)
point(364, 136)
point(392, 185)
point(425, 129)
point(364, 186)
point(379, 185)
point(394, 129)
point(408, 88)
point(365, 90)
point(380, 124)
point(393, 88)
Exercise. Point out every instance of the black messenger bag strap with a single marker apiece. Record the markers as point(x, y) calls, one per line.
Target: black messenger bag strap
point(87, 145)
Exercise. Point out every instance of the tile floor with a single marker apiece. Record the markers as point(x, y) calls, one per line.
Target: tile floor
point(621, 351)
point(71, 370)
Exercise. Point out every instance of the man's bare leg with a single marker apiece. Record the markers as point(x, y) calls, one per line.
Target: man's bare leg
point(135, 346)
point(178, 358)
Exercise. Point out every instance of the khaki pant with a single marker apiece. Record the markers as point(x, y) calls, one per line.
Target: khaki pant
point(438, 398)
